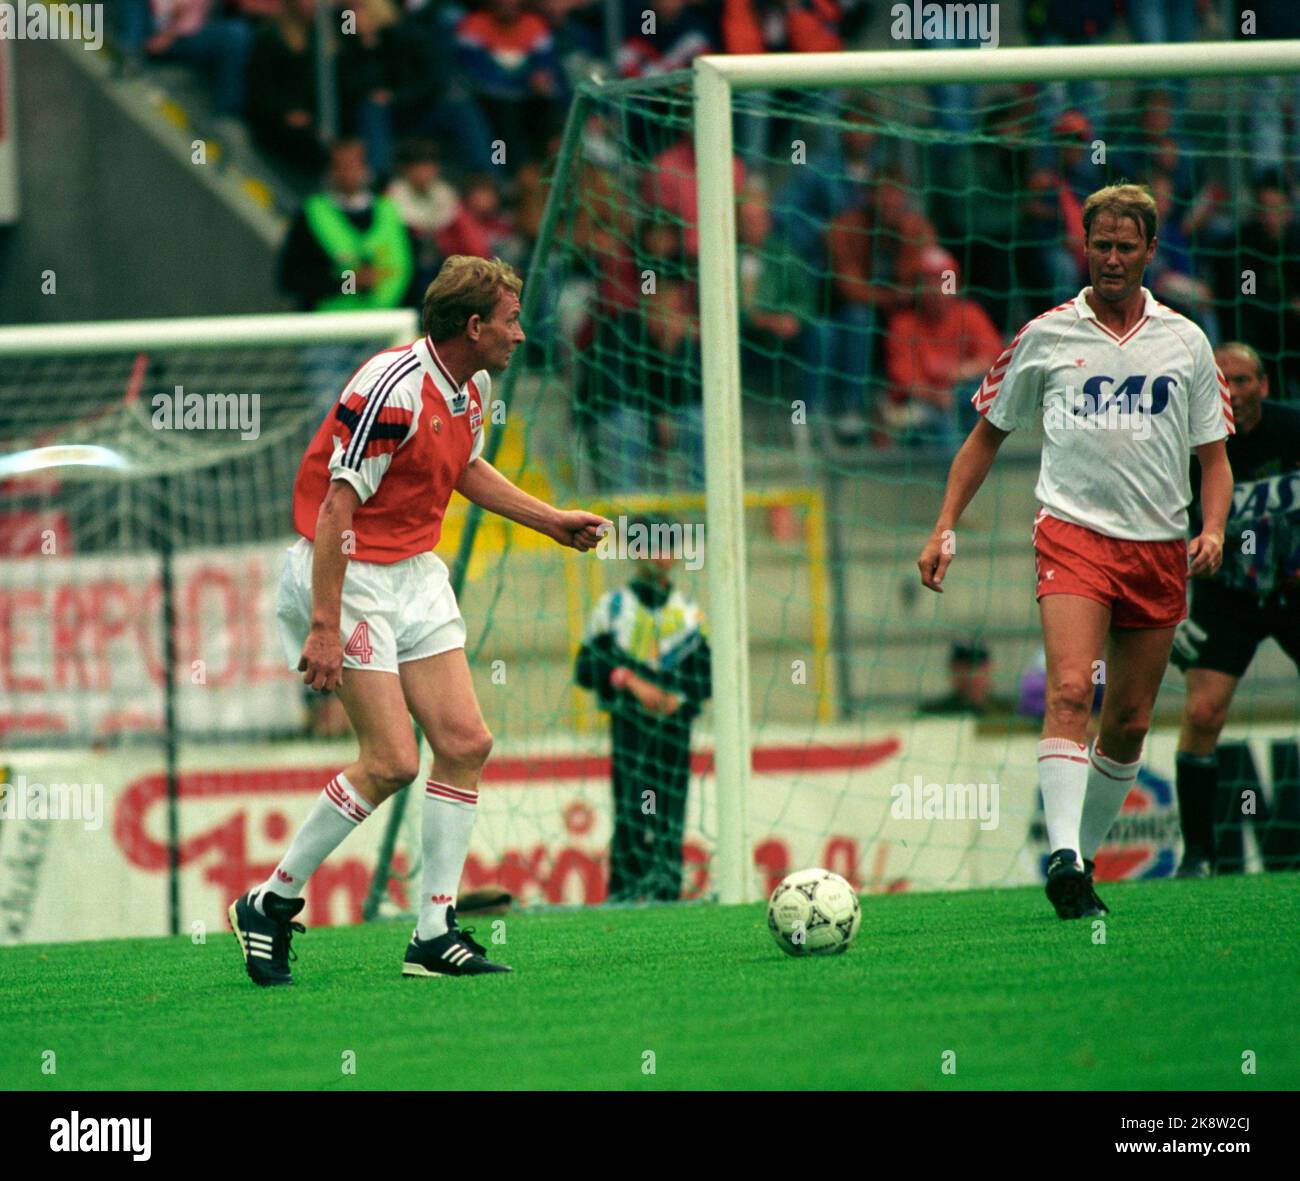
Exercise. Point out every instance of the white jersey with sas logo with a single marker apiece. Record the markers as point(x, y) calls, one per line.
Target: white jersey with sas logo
point(1120, 414)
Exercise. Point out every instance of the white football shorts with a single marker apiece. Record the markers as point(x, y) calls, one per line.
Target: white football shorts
point(391, 612)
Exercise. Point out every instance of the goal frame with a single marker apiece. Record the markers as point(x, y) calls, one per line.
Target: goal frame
point(395, 326)
point(399, 325)
point(715, 79)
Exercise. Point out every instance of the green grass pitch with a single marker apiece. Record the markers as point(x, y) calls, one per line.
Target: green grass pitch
point(1192, 975)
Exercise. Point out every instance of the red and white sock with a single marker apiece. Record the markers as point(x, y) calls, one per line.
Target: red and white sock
point(336, 813)
point(1109, 783)
point(1063, 774)
point(448, 821)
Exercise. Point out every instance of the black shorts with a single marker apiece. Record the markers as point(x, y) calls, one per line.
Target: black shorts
point(1224, 627)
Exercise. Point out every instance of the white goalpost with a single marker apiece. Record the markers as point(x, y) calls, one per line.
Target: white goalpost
point(196, 332)
point(716, 79)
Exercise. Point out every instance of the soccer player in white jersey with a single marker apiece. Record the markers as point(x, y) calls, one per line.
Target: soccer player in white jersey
point(1126, 389)
point(366, 608)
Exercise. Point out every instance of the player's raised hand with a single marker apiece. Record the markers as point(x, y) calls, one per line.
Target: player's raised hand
point(1206, 554)
point(934, 560)
point(321, 662)
point(578, 529)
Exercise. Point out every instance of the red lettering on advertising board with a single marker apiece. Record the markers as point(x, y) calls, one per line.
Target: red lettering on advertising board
point(102, 631)
point(220, 851)
point(773, 859)
point(695, 870)
point(841, 857)
point(552, 872)
point(69, 619)
point(12, 636)
point(114, 612)
point(24, 534)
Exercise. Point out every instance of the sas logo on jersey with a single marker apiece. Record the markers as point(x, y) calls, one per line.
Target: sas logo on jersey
point(475, 416)
point(1129, 396)
point(1255, 499)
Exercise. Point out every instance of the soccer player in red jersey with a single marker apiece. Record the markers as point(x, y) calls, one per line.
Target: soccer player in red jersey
point(1126, 389)
point(366, 607)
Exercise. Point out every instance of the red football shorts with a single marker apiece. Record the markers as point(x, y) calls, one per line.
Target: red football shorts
point(1144, 583)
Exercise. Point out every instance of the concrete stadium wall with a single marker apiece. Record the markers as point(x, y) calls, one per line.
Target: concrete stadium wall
point(122, 222)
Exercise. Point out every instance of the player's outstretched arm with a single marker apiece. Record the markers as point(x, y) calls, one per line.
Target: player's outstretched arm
point(969, 468)
point(489, 489)
point(1206, 549)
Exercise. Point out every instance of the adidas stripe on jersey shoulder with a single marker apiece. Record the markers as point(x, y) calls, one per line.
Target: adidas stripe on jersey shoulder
point(375, 416)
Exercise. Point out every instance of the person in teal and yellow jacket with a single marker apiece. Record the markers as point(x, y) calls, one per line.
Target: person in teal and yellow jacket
point(646, 658)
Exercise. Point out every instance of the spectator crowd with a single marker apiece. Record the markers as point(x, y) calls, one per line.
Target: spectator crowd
point(878, 281)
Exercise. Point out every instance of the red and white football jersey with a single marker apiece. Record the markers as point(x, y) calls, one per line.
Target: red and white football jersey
point(1120, 415)
point(402, 434)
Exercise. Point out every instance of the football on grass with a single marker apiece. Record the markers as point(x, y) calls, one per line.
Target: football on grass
point(813, 912)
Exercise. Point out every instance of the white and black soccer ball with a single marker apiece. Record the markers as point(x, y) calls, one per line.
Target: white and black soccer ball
point(813, 912)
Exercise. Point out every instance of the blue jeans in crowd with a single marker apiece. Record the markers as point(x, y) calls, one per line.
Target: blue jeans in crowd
point(625, 453)
point(839, 352)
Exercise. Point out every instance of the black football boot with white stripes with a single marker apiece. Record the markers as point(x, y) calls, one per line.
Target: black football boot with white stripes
point(265, 938)
point(1067, 884)
point(1094, 907)
point(452, 954)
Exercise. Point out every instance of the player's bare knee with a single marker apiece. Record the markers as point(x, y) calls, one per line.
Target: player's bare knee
point(468, 747)
point(476, 747)
point(1069, 700)
point(390, 772)
point(1206, 718)
point(1122, 737)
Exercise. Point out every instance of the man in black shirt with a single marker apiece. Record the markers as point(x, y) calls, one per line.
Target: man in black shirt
point(1255, 595)
point(970, 674)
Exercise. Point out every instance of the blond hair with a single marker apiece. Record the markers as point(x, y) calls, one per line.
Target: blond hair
point(1123, 200)
point(466, 286)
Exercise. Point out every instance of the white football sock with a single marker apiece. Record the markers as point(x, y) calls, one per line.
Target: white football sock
point(1109, 783)
point(448, 821)
point(1063, 774)
point(336, 813)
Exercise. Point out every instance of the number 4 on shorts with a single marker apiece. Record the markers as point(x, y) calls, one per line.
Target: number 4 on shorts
point(358, 644)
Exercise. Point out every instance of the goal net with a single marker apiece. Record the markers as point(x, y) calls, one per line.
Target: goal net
point(790, 364)
point(146, 474)
point(122, 443)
